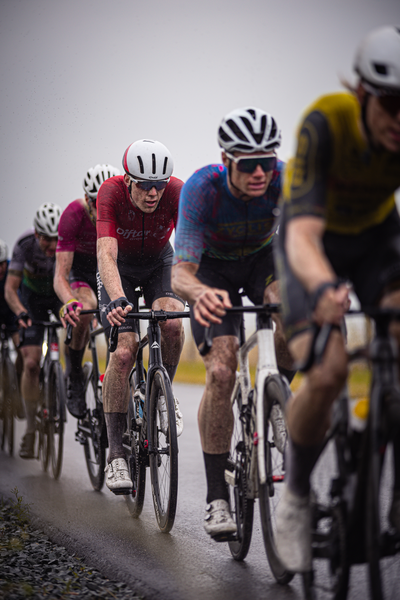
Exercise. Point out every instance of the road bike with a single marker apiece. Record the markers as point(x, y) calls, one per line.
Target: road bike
point(350, 526)
point(255, 466)
point(146, 443)
point(91, 429)
point(9, 391)
point(50, 416)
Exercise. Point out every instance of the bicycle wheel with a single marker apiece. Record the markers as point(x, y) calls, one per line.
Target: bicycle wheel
point(57, 401)
point(93, 428)
point(163, 453)
point(137, 458)
point(42, 424)
point(9, 394)
point(270, 492)
point(382, 542)
point(242, 507)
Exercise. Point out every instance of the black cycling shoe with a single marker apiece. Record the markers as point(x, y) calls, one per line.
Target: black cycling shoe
point(76, 402)
point(27, 446)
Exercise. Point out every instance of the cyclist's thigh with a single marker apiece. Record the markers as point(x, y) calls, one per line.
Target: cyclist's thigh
point(84, 293)
point(156, 281)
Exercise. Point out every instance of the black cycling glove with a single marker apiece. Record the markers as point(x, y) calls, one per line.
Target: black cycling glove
point(23, 316)
point(122, 302)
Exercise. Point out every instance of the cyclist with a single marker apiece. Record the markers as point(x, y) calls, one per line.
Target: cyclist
point(136, 214)
point(339, 223)
point(30, 294)
point(223, 243)
point(75, 278)
point(7, 316)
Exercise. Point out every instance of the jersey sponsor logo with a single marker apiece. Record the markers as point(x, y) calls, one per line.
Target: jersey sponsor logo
point(240, 230)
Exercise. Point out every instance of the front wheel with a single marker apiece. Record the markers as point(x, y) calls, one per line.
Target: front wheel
point(242, 507)
point(57, 401)
point(271, 491)
point(137, 457)
point(42, 425)
point(382, 540)
point(93, 428)
point(163, 450)
point(9, 390)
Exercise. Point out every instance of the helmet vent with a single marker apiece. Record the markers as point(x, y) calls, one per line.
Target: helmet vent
point(141, 167)
point(153, 164)
point(236, 130)
point(257, 136)
point(165, 165)
point(380, 69)
point(252, 112)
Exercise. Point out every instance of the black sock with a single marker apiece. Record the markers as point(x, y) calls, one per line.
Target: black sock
point(171, 370)
point(75, 362)
point(300, 461)
point(287, 373)
point(116, 427)
point(217, 488)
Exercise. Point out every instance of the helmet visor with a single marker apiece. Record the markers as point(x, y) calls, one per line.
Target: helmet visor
point(249, 164)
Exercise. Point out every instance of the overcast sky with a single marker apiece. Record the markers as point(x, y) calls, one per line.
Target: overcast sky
point(81, 80)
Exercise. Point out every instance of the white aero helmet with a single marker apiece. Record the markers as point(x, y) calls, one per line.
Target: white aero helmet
point(148, 159)
point(249, 130)
point(377, 59)
point(47, 218)
point(3, 251)
point(95, 177)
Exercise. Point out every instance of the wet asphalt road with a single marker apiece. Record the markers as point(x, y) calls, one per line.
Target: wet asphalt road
point(183, 565)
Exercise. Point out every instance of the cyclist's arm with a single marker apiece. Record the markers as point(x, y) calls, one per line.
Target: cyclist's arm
point(12, 284)
point(107, 254)
point(208, 303)
point(61, 284)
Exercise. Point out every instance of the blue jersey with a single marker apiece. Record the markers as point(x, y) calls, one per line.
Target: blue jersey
point(213, 222)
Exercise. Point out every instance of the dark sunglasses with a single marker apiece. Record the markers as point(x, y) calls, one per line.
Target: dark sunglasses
point(249, 165)
point(390, 102)
point(148, 185)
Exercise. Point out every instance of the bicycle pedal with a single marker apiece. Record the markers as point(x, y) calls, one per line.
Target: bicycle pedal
point(229, 477)
point(122, 492)
point(80, 437)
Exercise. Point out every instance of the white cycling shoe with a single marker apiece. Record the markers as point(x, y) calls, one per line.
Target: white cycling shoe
point(218, 522)
point(278, 427)
point(293, 532)
point(162, 408)
point(117, 477)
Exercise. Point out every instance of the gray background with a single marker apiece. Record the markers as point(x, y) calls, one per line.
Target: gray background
point(81, 80)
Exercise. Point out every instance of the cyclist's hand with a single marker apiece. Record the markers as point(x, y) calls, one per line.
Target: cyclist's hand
point(23, 319)
point(332, 305)
point(69, 312)
point(210, 306)
point(117, 310)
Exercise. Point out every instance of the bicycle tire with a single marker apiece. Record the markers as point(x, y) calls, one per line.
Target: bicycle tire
point(137, 459)
point(9, 391)
point(96, 442)
point(163, 453)
point(382, 542)
point(270, 492)
point(242, 507)
point(44, 447)
point(57, 402)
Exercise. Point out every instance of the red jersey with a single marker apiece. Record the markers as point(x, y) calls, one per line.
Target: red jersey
point(141, 236)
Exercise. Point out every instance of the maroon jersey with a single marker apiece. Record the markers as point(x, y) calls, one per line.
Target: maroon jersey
point(76, 232)
point(141, 236)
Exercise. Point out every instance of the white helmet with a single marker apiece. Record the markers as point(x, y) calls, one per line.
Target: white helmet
point(249, 130)
point(3, 251)
point(148, 159)
point(47, 218)
point(95, 177)
point(378, 58)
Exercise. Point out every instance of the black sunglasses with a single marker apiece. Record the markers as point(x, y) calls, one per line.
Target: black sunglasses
point(389, 101)
point(148, 185)
point(249, 164)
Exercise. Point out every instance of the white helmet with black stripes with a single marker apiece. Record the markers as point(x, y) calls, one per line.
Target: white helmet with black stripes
point(148, 159)
point(249, 129)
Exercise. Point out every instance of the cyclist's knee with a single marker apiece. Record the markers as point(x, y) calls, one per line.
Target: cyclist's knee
point(31, 366)
point(221, 375)
point(123, 359)
point(172, 330)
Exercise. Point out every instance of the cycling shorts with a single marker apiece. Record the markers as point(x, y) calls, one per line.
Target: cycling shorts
point(253, 273)
point(154, 279)
point(83, 271)
point(37, 307)
point(370, 261)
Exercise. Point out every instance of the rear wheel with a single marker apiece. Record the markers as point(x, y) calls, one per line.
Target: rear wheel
point(57, 400)
point(137, 458)
point(382, 541)
point(42, 423)
point(271, 491)
point(242, 507)
point(93, 427)
point(163, 452)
